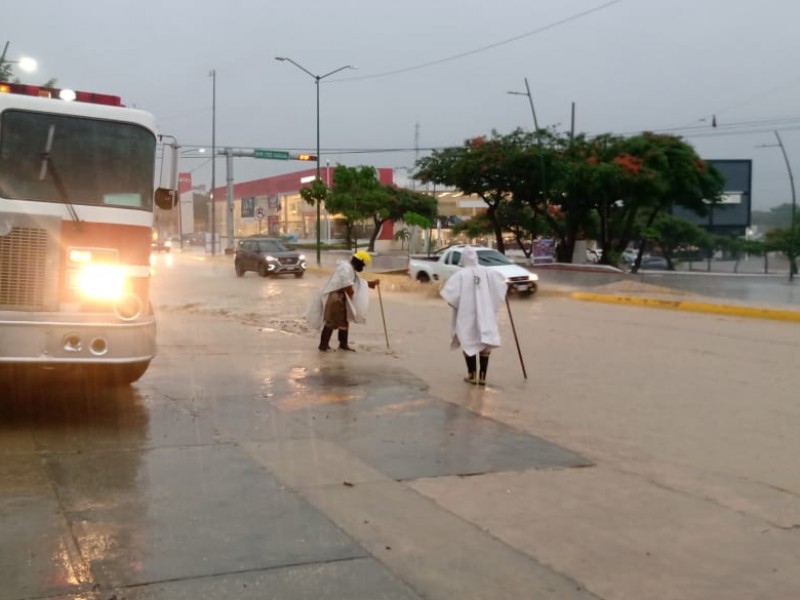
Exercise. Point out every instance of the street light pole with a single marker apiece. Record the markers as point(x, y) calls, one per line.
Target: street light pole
point(538, 134)
point(25, 63)
point(792, 249)
point(792, 265)
point(317, 79)
point(527, 93)
point(213, 75)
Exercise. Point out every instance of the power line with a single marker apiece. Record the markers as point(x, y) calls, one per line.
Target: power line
point(482, 48)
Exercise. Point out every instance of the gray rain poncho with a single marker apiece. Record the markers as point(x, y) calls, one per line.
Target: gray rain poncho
point(475, 293)
point(344, 276)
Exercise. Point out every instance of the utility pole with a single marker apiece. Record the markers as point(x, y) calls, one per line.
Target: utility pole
point(792, 249)
point(213, 75)
point(229, 189)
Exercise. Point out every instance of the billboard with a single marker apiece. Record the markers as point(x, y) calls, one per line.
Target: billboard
point(732, 213)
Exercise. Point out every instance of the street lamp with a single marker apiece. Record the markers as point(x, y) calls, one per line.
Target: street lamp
point(317, 79)
point(527, 93)
point(25, 63)
point(792, 250)
point(213, 75)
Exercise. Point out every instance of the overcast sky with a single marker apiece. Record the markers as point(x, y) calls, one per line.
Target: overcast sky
point(439, 67)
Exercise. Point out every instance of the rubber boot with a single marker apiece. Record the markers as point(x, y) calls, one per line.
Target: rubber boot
point(343, 340)
point(471, 368)
point(482, 372)
point(325, 339)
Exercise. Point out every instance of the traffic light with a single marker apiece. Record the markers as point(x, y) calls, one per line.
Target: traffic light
point(305, 157)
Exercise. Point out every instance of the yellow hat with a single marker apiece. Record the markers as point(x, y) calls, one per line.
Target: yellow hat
point(363, 256)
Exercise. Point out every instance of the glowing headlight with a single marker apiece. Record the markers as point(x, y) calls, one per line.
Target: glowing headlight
point(101, 282)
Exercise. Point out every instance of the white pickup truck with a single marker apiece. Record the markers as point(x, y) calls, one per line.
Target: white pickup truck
point(442, 264)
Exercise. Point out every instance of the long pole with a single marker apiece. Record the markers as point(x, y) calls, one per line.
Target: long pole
point(383, 317)
point(516, 339)
point(538, 135)
point(317, 79)
point(792, 264)
point(319, 202)
point(213, 156)
point(229, 196)
point(533, 110)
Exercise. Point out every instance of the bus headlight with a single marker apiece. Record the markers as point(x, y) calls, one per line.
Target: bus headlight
point(101, 281)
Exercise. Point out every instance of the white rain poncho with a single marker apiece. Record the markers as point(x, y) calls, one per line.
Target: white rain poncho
point(344, 276)
point(475, 293)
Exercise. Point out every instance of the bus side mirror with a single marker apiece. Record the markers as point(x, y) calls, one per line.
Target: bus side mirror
point(165, 199)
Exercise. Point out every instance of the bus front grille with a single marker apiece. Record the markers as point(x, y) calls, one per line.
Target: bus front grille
point(23, 268)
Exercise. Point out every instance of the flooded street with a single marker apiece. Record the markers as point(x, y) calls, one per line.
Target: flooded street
point(246, 464)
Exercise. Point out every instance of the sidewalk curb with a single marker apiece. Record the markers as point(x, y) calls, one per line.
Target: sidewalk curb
point(693, 306)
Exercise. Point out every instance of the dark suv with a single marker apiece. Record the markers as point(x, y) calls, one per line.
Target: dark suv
point(267, 256)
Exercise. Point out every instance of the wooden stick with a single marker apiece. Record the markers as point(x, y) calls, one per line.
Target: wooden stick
point(383, 317)
point(516, 340)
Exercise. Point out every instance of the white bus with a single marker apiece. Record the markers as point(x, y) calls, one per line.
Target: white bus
point(76, 218)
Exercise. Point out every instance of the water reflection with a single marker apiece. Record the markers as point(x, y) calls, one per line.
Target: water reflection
point(166, 260)
point(71, 453)
point(70, 406)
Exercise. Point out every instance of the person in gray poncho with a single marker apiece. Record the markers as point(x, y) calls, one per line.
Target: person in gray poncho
point(343, 299)
point(475, 293)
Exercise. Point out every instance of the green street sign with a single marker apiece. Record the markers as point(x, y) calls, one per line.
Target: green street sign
point(271, 154)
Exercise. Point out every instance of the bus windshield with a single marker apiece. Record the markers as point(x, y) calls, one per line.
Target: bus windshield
point(75, 160)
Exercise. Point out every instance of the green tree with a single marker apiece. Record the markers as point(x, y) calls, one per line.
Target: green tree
point(7, 75)
point(356, 193)
point(672, 232)
point(782, 240)
point(414, 220)
point(494, 169)
point(6, 71)
point(314, 194)
point(477, 226)
point(400, 205)
point(670, 174)
point(606, 186)
point(775, 218)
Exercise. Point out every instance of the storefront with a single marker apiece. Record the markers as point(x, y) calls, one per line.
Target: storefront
point(273, 206)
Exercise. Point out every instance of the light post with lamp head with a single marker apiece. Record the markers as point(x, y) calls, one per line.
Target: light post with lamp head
point(537, 132)
point(213, 74)
point(25, 63)
point(792, 249)
point(317, 79)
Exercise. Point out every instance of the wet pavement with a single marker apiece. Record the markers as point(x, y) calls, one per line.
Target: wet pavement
point(245, 464)
point(202, 480)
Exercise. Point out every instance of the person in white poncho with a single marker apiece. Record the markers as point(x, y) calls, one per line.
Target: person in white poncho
point(343, 299)
point(475, 293)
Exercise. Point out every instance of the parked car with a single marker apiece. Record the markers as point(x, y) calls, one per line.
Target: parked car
point(654, 262)
point(267, 256)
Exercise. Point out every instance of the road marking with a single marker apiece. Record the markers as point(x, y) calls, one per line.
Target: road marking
point(730, 310)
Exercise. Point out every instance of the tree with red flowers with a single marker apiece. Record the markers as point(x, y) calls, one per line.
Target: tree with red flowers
point(496, 169)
